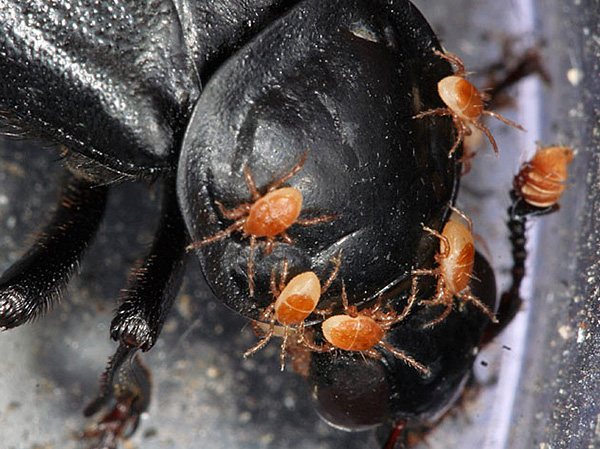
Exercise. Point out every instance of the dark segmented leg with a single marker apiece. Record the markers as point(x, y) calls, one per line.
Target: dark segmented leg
point(154, 285)
point(34, 283)
point(126, 391)
point(510, 301)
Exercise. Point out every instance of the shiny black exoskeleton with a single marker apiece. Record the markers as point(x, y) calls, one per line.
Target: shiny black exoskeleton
point(193, 91)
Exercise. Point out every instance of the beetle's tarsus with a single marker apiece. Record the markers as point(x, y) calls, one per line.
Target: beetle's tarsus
point(125, 393)
point(152, 288)
point(33, 284)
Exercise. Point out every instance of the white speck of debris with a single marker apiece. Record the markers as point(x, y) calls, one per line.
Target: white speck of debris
point(267, 438)
point(574, 75)
point(565, 332)
point(212, 372)
point(289, 402)
point(362, 31)
point(581, 335)
point(597, 427)
point(245, 417)
point(3, 200)
point(11, 222)
point(545, 446)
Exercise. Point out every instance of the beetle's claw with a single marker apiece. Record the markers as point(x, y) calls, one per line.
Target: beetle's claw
point(116, 424)
point(125, 394)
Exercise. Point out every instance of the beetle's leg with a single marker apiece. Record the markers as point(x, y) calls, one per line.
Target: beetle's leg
point(34, 283)
point(153, 286)
point(125, 392)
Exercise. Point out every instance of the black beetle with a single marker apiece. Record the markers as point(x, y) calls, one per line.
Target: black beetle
point(267, 82)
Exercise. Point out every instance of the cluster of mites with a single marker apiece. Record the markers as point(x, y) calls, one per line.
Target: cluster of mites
point(540, 183)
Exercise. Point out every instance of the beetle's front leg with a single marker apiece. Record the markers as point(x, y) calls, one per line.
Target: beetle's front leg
point(126, 391)
point(154, 285)
point(34, 283)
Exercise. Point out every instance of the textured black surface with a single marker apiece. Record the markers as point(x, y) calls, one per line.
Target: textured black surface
point(341, 82)
point(116, 81)
point(355, 392)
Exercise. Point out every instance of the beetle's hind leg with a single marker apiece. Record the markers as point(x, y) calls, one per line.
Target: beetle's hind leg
point(34, 283)
point(126, 391)
point(152, 288)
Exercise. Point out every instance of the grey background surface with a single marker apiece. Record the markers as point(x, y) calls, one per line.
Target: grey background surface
point(538, 383)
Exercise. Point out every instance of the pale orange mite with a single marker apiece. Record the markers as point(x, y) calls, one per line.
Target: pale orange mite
point(465, 104)
point(267, 216)
point(541, 180)
point(363, 331)
point(454, 272)
point(293, 303)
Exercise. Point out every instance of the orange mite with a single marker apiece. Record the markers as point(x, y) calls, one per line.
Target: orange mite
point(465, 104)
point(293, 303)
point(363, 331)
point(541, 180)
point(267, 216)
point(454, 271)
